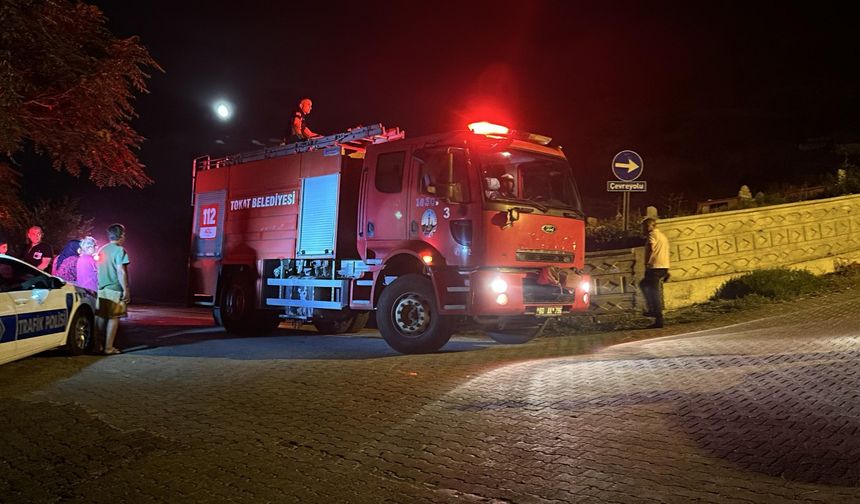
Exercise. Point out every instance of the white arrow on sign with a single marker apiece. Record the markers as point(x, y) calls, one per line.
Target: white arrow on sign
point(630, 165)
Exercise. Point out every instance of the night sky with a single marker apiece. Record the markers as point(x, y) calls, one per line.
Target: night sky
point(711, 96)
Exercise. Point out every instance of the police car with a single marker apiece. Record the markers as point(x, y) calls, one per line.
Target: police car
point(39, 312)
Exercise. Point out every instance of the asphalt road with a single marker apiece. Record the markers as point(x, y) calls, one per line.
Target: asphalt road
point(755, 407)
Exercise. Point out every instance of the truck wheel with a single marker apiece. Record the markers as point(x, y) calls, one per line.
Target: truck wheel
point(80, 333)
point(237, 312)
point(339, 322)
point(409, 318)
point(236, 304)
point(517, 335)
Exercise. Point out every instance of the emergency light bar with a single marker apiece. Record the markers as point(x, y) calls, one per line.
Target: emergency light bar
point(486, 128)
point(497, 130)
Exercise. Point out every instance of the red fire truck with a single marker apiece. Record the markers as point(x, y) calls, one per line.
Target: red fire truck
point(480, 228)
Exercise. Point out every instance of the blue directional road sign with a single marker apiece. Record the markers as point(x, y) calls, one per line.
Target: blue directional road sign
point(627, 165)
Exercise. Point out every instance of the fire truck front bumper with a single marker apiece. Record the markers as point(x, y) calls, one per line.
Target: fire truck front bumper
point(511, 293)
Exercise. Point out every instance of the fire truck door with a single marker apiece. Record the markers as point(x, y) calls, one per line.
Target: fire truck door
point(384, 215)
point(439, 195)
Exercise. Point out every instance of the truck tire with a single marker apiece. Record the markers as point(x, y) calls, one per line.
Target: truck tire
point(517, 335)
point(80, 335)
point(236, 308)
point(339, 322)
point(408, 316)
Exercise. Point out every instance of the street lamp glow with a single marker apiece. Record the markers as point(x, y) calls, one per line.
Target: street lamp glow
point(223, 110)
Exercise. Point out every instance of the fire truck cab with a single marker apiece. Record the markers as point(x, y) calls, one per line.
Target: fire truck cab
point(476, 228)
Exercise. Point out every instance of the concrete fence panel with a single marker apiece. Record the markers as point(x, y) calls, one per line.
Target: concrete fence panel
point(616, 275)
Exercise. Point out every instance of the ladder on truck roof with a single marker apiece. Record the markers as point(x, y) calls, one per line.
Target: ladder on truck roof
point(355, 139)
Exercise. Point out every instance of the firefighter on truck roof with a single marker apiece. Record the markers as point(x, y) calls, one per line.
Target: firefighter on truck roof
point(299, 130)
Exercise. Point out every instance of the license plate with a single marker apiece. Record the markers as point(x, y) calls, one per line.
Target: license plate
point(548, 311)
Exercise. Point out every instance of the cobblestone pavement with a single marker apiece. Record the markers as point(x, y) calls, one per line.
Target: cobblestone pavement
point(765, 408)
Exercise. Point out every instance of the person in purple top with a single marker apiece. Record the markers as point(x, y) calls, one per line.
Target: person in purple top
point(65, 266)
point(87, 269)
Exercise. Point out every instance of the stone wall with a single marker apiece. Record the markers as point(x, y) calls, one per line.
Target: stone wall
point(707, 250)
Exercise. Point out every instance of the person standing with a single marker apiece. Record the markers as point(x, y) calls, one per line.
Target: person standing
point(506, 183)
point(656, 270)
point(87, 272)
point(66, 264)
point(114, 294)
point(299, 130)
point(38, 254)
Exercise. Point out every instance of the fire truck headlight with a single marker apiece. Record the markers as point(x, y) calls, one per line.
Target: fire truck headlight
point(585, 286)
point(502, 299)
point(499, 286)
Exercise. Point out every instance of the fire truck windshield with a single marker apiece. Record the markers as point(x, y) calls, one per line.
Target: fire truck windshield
point(533, 179)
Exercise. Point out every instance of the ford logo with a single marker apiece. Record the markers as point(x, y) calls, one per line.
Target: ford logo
point(548, 228)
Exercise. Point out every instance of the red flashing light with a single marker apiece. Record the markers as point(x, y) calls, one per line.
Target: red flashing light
point(486, 128)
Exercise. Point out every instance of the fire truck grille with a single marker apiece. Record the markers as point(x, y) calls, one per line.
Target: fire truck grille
point(535, 293)
point(544, 256)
